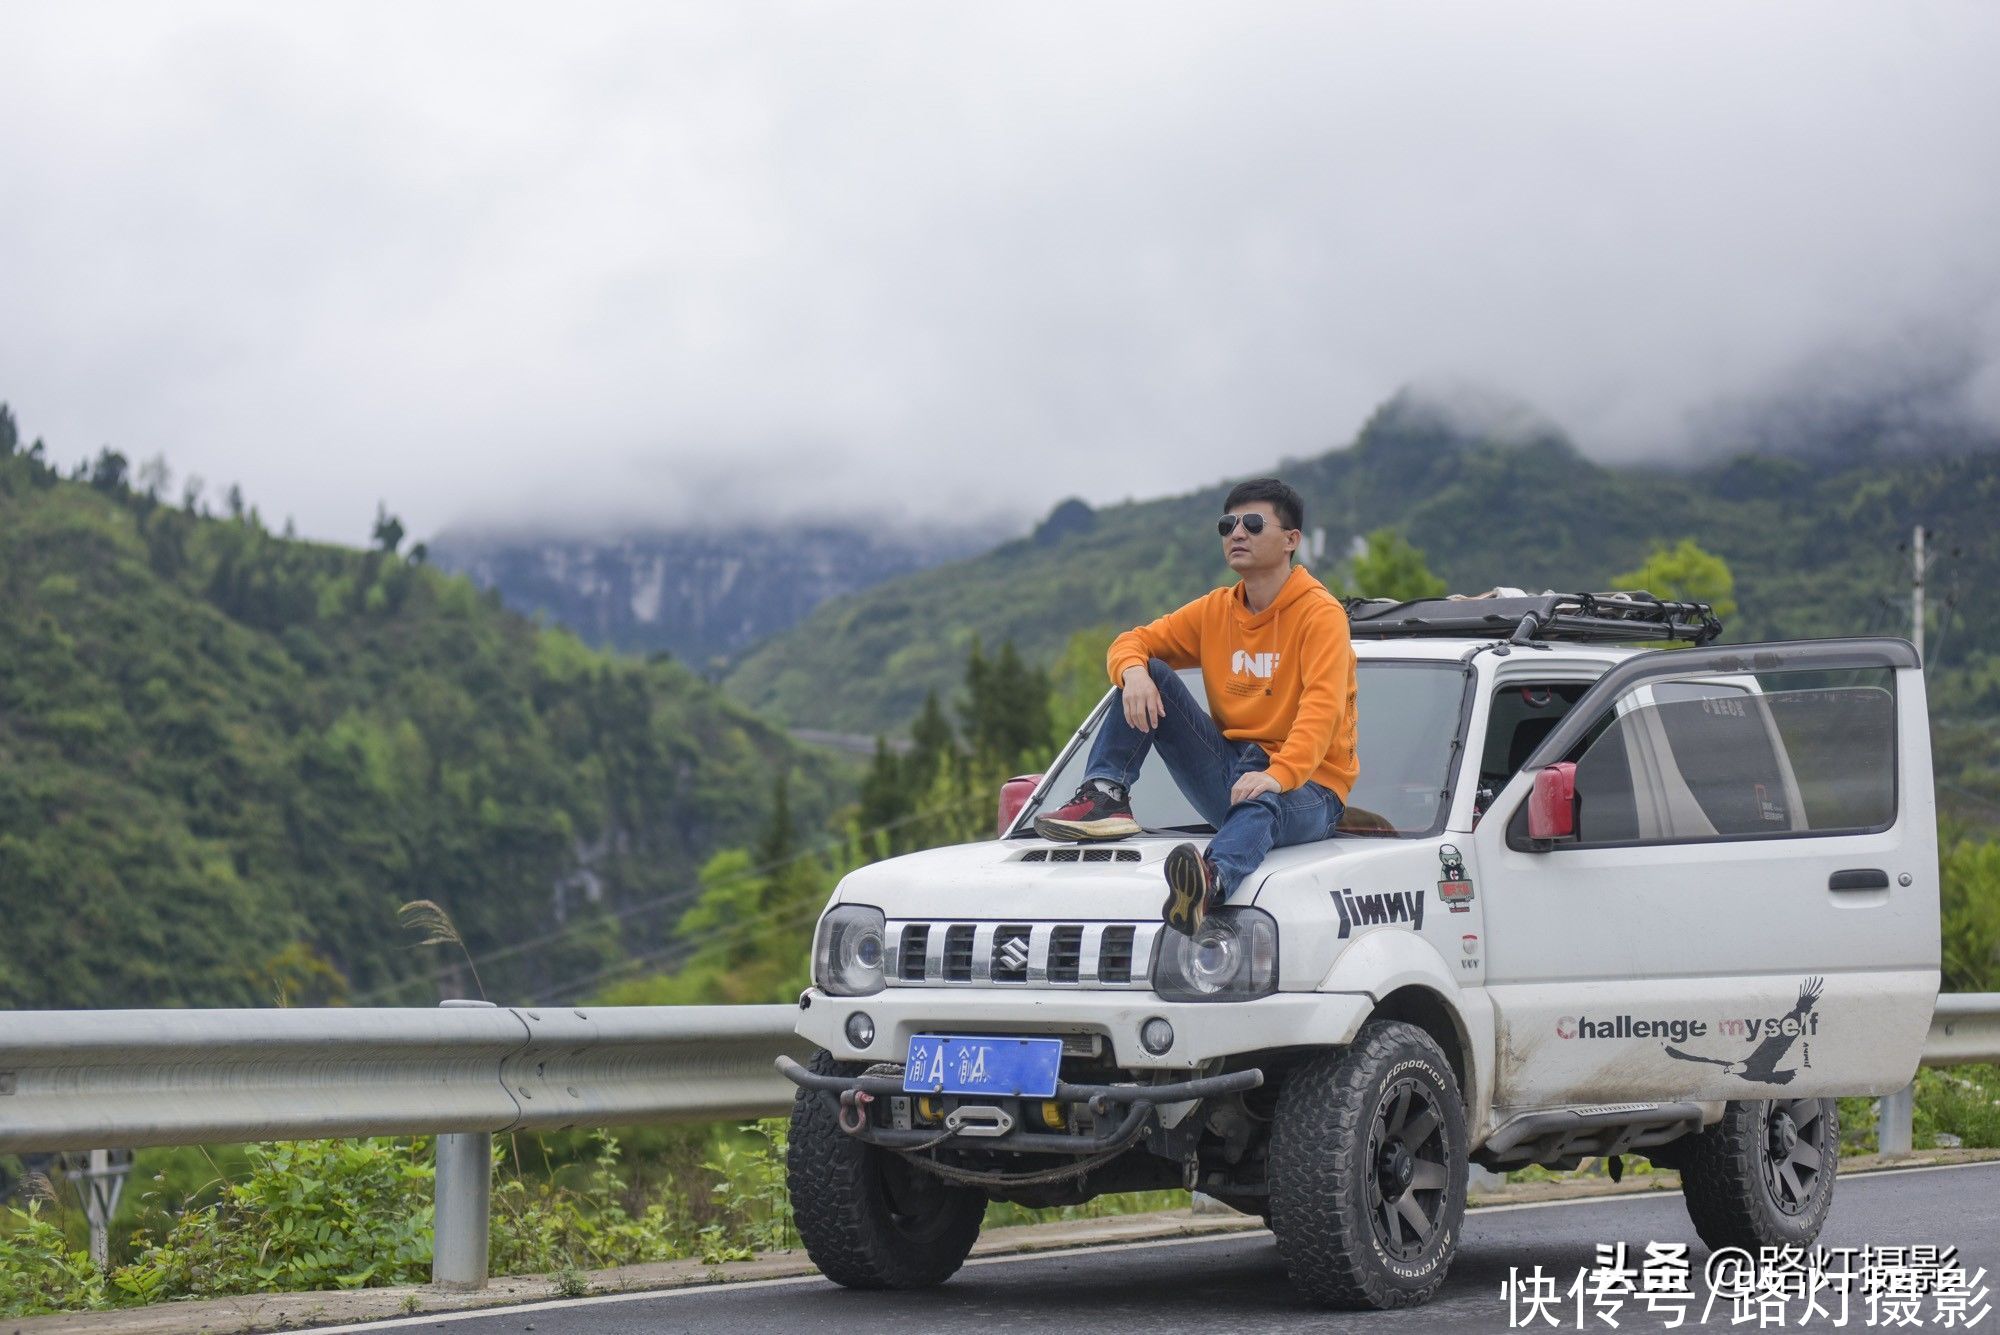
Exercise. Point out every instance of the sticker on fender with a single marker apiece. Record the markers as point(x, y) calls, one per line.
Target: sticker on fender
point(1021, 1066)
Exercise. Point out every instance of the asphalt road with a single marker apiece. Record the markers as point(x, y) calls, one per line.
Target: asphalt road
point(1237, 1283)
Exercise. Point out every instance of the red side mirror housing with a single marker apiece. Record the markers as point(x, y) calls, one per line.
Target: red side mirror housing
point(1552, 807)
point(1014, 795)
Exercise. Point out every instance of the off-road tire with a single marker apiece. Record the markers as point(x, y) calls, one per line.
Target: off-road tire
point(868, 1219)
point(1327, 1173)
point(1732, 1193)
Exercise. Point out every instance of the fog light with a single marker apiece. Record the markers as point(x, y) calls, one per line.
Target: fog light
point(860, 1029)
point(1053, 1117)
point(1156, 1035)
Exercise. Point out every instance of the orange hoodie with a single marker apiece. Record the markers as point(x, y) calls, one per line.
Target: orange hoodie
point(1282, 678)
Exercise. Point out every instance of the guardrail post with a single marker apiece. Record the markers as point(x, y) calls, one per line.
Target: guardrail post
point(463, 1203)
point(464, 1206)
point(1895, 1120)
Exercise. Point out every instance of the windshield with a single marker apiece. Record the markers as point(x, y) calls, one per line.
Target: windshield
point(1408, 718)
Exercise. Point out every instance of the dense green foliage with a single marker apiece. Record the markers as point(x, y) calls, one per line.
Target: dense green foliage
point(226, 757)
point(1685, 573)
point(1815, 551)
point(1389, 567)
point(343, 1214)
point(747, 938)
point(1969, 912)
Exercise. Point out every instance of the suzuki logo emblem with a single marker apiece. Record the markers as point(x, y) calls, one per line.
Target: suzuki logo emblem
point(1014, 954)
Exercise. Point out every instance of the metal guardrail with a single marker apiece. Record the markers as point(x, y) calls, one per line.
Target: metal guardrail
point(82, 1080)
point(1965, 1027)
point(75, 1080)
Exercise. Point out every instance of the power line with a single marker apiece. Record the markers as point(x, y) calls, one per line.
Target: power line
point(675, 953)
point(678, 897)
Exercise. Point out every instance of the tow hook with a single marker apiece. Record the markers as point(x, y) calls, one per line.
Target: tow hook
point(978, 1120)
point(854, 1110)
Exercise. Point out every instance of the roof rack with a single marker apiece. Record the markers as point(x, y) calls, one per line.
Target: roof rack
point(1525, 618)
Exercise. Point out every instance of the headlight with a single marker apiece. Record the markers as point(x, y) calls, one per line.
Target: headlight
point(848, 951)
point(1233, 956)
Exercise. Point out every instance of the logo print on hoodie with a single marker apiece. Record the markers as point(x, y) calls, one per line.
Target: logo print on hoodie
point(1373, 910)
point(1256, 665)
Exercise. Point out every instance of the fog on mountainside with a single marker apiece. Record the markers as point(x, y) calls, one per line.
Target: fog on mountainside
point(703, 593)
point(1494, 493)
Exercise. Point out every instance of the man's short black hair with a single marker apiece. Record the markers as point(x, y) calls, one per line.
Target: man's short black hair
point(1286, 501)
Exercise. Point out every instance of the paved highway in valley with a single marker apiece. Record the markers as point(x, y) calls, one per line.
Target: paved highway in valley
point(1236, 1282)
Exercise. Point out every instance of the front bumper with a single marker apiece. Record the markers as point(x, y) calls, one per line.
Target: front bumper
point(1138, 1102)
point(1203, 1031)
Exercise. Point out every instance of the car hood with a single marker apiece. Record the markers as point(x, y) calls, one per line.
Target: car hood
point(1002, 880)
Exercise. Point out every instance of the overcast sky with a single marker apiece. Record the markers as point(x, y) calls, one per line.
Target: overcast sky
point(606, 262)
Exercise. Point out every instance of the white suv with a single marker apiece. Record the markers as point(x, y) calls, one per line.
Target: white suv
point(1587, 900)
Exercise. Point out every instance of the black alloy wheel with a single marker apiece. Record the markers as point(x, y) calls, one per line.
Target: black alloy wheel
point(1762, 1176)
point(1407, 1172)
point(1792, 1160)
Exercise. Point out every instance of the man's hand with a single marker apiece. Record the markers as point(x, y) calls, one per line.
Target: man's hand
point(1143, 706)
point(1251, 786)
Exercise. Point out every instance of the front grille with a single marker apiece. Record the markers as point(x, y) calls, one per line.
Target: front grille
point(1114, 959)
point(1065, 953)
point(1020, 954)
point(910, 962)
point(1081, 855)
point(957, 961)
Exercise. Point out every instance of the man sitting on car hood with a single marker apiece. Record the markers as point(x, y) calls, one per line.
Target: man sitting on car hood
point(1275, 762)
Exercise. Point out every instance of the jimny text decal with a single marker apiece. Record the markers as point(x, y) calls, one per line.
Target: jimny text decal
point(1376, 910)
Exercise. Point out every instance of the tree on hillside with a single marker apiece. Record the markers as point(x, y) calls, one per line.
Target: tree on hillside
point(107, 473)
point(155, 478)
point(883, 800)
point(1684, 573)
point(388, 529)
point(10, 434)
point(1006, 716)
point(1077, 682)
point(780, 839)
point(931, 741)
point(1391, 568)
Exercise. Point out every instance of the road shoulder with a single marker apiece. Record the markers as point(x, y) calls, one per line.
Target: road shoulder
point(295, 1311)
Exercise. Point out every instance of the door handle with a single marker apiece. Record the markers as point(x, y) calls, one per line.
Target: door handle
point(1864, 878)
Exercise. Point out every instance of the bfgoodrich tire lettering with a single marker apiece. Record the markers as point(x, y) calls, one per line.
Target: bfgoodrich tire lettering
point(1367, 1163)
point(868, 1219)
point(1763, 1175)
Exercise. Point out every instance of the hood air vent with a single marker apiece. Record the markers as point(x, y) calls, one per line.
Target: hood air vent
point(1081, 855)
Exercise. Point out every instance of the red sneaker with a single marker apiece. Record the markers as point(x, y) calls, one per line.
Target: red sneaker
point(1099, 812)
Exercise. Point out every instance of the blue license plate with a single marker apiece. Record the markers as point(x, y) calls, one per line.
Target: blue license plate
point(1019, 1066)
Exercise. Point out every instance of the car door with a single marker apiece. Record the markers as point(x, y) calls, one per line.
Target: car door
point(1749, 903)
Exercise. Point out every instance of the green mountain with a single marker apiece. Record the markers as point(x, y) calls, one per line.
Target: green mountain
point(1814, 545)
point(226, 758)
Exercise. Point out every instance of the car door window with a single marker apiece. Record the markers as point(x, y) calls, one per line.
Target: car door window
point(1520, 715)
point(1780, 754)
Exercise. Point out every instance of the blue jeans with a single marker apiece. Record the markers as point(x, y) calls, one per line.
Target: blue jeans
point(1205, 766)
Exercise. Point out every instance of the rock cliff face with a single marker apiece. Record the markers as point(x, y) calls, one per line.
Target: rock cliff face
point(703, 597)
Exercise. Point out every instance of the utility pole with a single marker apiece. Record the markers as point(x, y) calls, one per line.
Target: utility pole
point(1917, 590)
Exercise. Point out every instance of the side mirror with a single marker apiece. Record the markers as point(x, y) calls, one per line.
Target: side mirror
point(1552, 806)
point(1014, 795)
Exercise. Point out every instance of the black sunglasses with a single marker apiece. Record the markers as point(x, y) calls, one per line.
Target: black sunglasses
point(1253, 524)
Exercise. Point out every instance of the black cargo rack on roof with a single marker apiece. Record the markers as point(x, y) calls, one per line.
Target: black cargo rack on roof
point(1615, 618)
